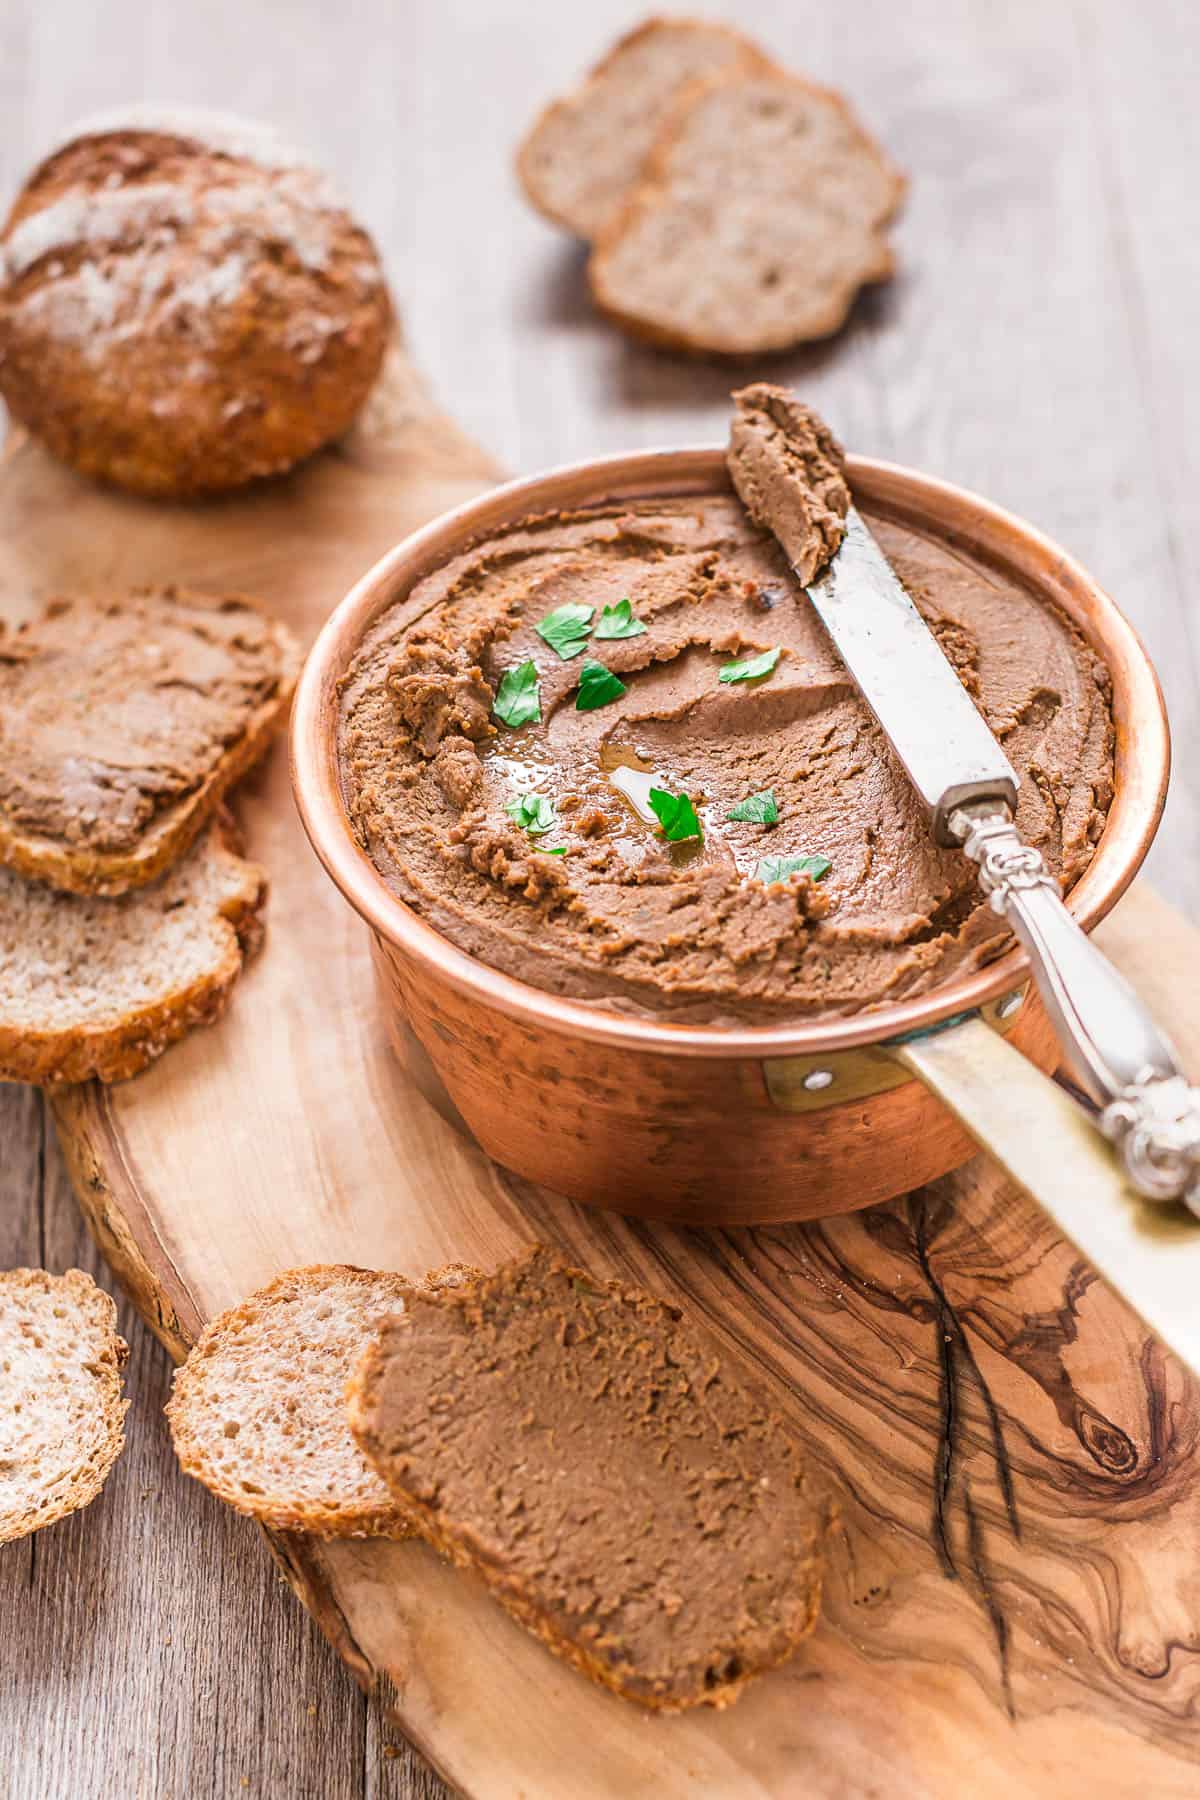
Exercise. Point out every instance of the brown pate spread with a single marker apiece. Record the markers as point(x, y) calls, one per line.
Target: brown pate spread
point(112, 711)
point(599, 1464)
point(789, 472)
point(684, 930)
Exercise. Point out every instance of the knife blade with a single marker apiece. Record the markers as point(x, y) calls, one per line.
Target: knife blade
point(945, 745)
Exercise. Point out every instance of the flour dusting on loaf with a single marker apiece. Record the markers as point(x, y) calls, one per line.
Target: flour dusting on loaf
point(185, 304)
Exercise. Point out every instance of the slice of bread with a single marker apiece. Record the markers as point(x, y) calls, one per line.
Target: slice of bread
point(599, 1463)
point(583, 156)
point(61, 1411)
point(124, 722)
point(258, 1410)
point(94, 987)
point(760, 215)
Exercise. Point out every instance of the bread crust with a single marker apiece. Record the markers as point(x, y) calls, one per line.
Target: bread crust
point(386, 1518)
point(76, 870)
point(79, 1291)
point(179, 318)
point(115, 1052)
point(749, 56)
point(654, 188)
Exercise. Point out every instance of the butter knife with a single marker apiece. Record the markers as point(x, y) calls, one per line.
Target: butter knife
point(1113, 1050)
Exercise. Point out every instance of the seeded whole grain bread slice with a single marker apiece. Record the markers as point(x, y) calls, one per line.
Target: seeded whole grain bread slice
point(96, 987)
point(761, 212)
point(583, 156)
point(124, 722)
point(61, 1411)
point(258, 1412)
point(599, 1464)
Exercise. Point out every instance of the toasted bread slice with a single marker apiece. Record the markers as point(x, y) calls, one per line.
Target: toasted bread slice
point(124, 722)
point(583, 156)
point(258, 1411)
point(61, 1411)
point(95, 987)
point(598, 1462)
point(761, 213)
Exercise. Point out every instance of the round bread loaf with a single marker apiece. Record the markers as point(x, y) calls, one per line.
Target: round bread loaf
point(184, 304)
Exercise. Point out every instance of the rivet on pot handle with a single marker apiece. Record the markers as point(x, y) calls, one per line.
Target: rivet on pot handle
point(1113, 1048)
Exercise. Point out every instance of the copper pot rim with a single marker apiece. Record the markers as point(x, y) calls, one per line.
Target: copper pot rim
point(989, 532)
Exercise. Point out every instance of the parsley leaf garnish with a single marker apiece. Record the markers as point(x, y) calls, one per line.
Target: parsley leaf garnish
point(566, 629)
point(618, 621)
point(534, 813)
point(518, 701)
point(753, 669)
point(781, 868)
point(597, 686)
point(676, 814)
point(757, 809)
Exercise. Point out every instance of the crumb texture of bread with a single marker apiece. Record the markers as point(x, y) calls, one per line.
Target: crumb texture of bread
point(258, 1410)
point(123, 722)
point(100, 987)
point(790, 474)
point(599, 1464)
point(185, 305)
point(61, 1412)
point(761, 213)
point(583, 156)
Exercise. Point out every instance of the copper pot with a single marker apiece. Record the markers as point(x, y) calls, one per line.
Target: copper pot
point(704, 1125)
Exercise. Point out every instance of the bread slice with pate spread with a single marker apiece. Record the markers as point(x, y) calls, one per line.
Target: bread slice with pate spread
point(761, 212)
point(598, 1462)
point(123, 723)
point(96, 987)
point(584, 154)
point(258, 1411)
point(61, 1412)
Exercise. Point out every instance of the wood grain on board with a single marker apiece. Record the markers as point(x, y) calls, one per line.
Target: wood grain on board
point(90, 1673)
point(1012, 1457)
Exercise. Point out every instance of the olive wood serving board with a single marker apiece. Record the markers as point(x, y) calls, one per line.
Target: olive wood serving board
point(1013, 1597)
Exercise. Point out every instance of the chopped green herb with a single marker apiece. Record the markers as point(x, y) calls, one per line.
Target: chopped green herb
point(533, 813)
point(566, 629)
point(618, 621)
point(558, 850)
point(757, 809)
point(597, 686)
point(676, 814)
point(781, 868)
point(753, 669)
point(518, 701)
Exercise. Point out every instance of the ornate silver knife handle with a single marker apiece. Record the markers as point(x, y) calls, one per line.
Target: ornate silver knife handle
point(1114, 1050)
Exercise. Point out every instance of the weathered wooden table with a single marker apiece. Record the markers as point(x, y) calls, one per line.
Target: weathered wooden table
point(1039, 346)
